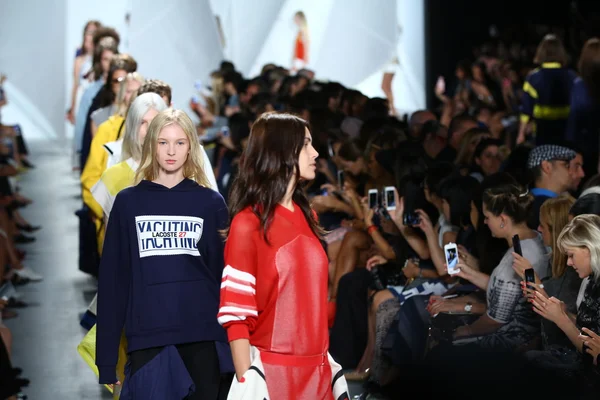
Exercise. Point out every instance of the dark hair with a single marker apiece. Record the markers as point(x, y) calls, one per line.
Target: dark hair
point(509, 199)
point(97, 24)
point(550, 49)
point(268, 164)
point(516, 165)
point(593, 181)
point(226, 66)
point(156, 86)
point(588, 204)
point(490, 249)
point(350, 151)
point(410, 188)
point(589, 68)
point(119, 62)
point(457, 123)
point(106, 32)
point(459, 191)
point(105, 45)
point(239, 129)
point(484, 144)
point(375, 107)
point(436, 175)
point(235, 78)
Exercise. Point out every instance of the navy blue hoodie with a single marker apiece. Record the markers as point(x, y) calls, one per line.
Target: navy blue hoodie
point(160, 273)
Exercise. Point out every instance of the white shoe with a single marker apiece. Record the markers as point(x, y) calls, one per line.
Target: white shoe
point(30, 274)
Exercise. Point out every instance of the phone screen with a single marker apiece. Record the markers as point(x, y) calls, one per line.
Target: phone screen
point(451, 253)
point(372, 199)
point(529, 275)
point(390, 199)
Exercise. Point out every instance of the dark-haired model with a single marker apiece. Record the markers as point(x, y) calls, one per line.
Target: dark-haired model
point(274, 286)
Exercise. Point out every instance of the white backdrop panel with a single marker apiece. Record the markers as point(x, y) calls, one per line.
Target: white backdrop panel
point(32, 50)
point(176, 42)
point(246, 25)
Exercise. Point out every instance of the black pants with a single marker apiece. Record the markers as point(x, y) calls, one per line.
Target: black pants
point(201, 361)
point(348, 337)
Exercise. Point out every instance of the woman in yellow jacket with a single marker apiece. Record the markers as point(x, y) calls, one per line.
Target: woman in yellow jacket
point(108, 131)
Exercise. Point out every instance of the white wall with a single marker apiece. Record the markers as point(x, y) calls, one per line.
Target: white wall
point(409, 81)
point(245, 27)
point(176, 42)
point(31, 54)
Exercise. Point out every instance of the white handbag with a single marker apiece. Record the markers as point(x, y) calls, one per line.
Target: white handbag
point(254, 385)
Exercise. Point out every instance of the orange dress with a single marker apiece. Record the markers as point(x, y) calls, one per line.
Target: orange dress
point(299, 52)
point(276, 296)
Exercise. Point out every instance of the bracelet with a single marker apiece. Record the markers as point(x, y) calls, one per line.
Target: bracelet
point(371, 229)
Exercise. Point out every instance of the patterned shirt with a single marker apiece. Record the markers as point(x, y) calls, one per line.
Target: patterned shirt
point(506, 303)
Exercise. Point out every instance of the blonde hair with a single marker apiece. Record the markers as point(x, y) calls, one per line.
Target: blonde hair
point(302, 17)
point(122, 105)
point(465, 153)
point(555, 213)
point(583, 231)
point(194, 164)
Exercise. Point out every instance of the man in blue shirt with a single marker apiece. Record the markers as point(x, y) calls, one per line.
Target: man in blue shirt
point(549, 166)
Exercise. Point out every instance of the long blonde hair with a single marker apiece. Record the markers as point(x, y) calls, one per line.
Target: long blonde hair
point(303, 22)
point(583, 231)
point(555, 213)
point(194, 164)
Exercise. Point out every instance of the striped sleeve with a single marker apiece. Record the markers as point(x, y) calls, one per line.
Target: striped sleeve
point(237, 310)
point(528, 99)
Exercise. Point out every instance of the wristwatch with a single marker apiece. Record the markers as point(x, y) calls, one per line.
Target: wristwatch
point(468, 307)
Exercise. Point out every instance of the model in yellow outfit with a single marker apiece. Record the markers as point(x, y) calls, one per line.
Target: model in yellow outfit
point(108, 131)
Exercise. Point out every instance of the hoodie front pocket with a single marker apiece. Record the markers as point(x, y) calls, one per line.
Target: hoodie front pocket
point(178, 304)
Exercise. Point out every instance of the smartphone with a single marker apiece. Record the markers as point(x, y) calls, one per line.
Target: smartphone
point(373, 198)
point(529, 276)
point(341, 179)
point(440, 85)
point(330, 150)
point(390, 198)
point(451, 253)
point(225, 131)
point(195, 99)
point(517, 245)
point(411, 219)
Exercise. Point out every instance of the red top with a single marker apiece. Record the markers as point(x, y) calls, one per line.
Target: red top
point(299, 50)
point(276, 296)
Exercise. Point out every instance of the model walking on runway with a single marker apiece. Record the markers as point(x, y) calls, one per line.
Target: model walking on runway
point(274, 286)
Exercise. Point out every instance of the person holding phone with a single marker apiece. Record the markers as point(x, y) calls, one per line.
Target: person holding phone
point(274, 286)
point(580, 241)
point(509, 321)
